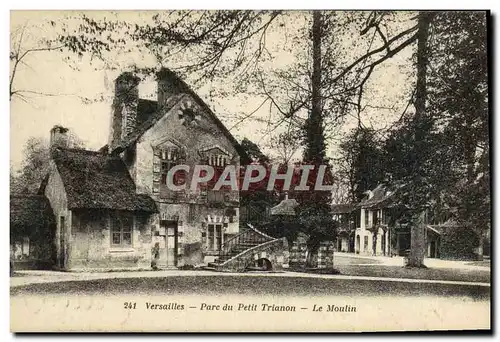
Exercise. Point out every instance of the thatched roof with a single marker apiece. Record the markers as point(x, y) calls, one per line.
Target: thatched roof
point(148, 114)
point(95, 180)
point(30, 212)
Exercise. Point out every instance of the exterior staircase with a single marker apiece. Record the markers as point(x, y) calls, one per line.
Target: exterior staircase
point(251, 250)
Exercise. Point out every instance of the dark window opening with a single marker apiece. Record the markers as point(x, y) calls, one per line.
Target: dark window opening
point(121, 230)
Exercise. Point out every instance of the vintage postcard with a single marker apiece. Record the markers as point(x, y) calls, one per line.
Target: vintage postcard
point(249, 171)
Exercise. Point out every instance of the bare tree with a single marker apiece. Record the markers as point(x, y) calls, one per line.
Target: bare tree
point(287, 143)
point(19, 51)
point(234, 46)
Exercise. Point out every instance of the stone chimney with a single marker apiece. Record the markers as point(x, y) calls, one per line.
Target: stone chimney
point(124, 116)
point(168, 85)
point(59, 137)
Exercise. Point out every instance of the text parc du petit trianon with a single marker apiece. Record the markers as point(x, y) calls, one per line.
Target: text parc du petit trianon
point(253, 307)
point(253, 173)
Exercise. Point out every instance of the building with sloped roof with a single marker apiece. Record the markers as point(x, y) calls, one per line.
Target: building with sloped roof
point(32, 229)
point(112, 208)
point(366, 228)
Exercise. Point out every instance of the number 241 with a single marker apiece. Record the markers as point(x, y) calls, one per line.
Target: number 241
point(129, 305)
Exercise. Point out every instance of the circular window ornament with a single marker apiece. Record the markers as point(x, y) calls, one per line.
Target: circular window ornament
point(187, 115)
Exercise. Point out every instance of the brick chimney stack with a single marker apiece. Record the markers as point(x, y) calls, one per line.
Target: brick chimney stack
point(124, 116)
point(168, 85)
point(59, 137)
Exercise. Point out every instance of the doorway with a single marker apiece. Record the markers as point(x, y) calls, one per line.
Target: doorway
point(62, 242)
point(168, 244)
point(383, 243)
point(432, 248)
point(351, 248)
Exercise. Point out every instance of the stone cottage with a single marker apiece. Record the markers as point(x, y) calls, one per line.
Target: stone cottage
point(113, 207)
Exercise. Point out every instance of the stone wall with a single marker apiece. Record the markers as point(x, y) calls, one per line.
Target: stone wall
point(275, 251)
point(191, 139)
point(124, 109)
point(91, 248)
point(322, 259)
point(56, 195)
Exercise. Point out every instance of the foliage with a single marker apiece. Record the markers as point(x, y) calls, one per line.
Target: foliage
point(459, 102)
point(253, 151)
point(440, 157)
point(454, 156)
point(361, 162)
point(234, 47)
point(35, 166)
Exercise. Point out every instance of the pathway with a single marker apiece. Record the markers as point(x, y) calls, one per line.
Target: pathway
point(398, 261)
point(37, 277)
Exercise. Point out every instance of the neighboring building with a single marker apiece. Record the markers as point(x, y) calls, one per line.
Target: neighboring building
point(113, 207)
point(372, 233)
point(344, 217)
point(31, 232)
point(369, 224)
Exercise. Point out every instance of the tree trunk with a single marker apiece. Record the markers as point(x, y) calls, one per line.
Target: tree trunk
point(315, 151)
point(312, 254)
point(417, 247)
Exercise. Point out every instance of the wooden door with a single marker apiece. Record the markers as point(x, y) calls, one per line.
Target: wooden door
point(168, 244)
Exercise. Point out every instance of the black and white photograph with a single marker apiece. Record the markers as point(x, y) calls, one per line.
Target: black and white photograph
point(250, 170)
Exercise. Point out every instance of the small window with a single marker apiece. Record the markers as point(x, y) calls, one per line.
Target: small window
point(166, 165)
point(170, 157)
point(214, 240)
point(192, 212)
point(219, 162)
point(121, 230)
point(376, 215)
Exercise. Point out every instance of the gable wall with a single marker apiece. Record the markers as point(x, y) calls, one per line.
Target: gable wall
point(56, 195)
point(192, 140)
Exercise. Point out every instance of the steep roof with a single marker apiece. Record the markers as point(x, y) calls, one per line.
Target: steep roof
point(96, 180)
point(380, 197)
point(148, 114)
point(145, 109)
point(30, 212)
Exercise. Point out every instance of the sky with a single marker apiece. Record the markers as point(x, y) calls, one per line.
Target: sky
point(64, 83)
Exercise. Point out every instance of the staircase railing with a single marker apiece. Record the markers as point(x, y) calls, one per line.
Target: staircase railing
point(251, 213)
point(250, 236)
